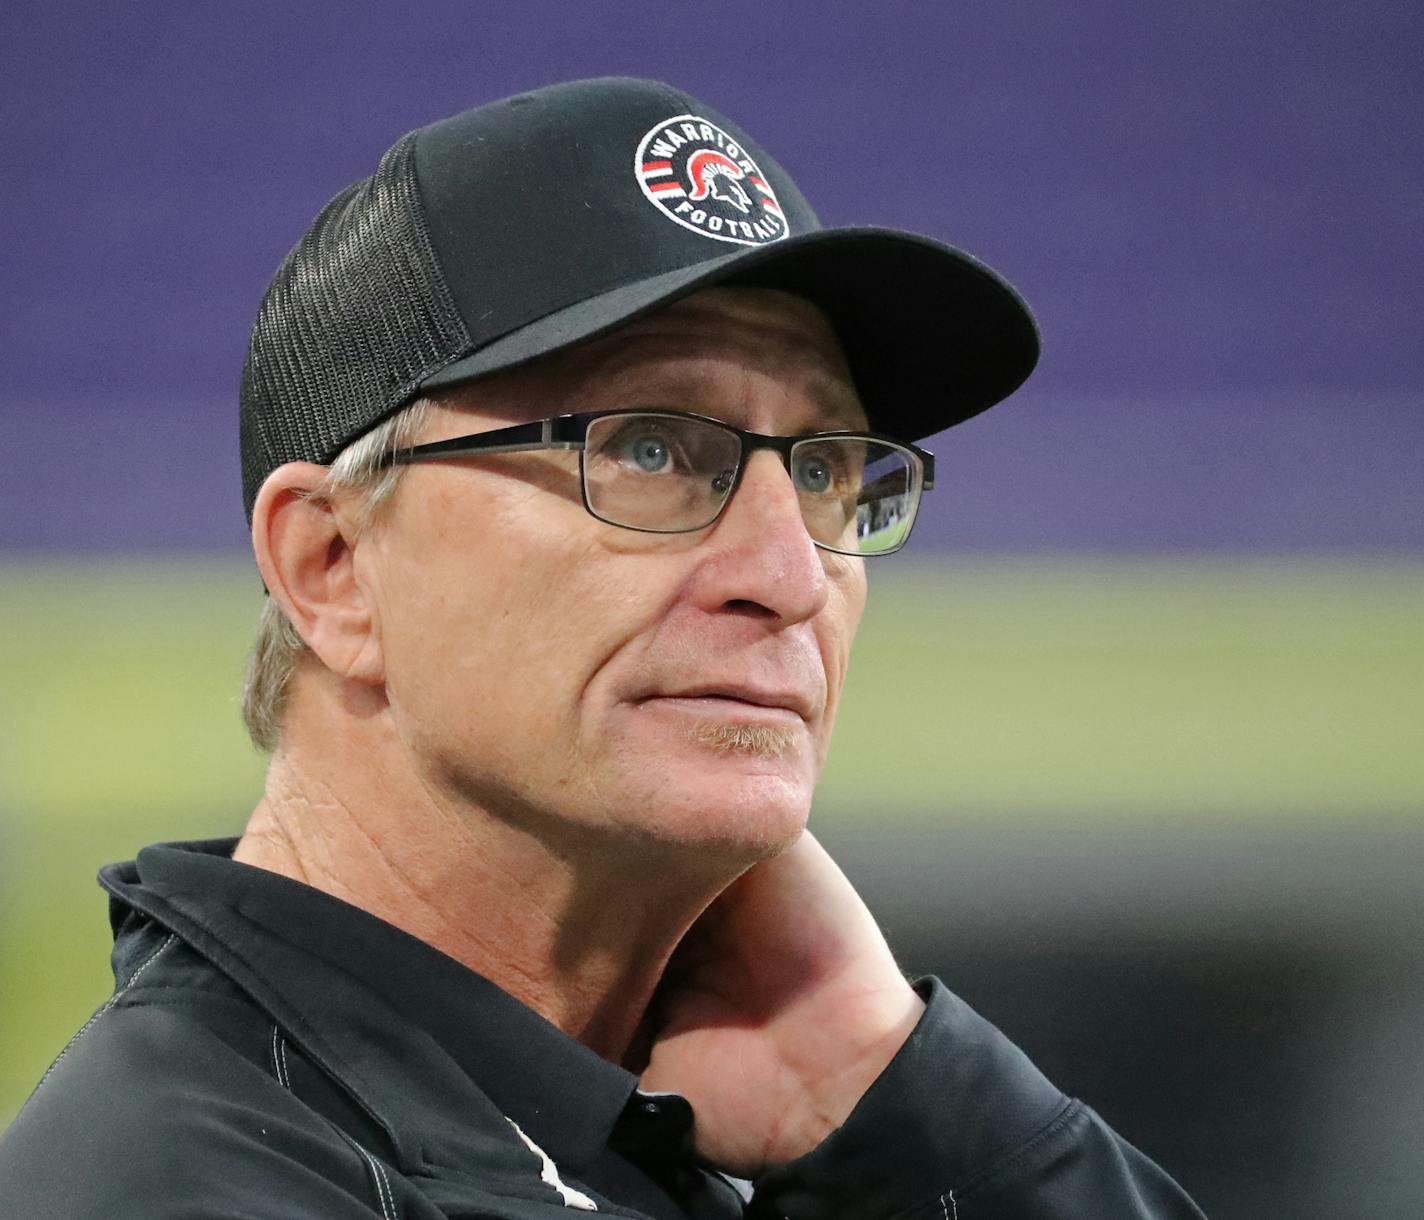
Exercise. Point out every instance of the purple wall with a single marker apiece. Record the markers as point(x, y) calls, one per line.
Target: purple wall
point(1216, 210)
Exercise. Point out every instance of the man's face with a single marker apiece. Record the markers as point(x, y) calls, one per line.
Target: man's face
point(573, 676)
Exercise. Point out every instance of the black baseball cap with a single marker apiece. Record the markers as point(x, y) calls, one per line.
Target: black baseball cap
point(529, 224)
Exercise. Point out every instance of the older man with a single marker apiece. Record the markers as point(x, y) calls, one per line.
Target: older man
point(566, 437)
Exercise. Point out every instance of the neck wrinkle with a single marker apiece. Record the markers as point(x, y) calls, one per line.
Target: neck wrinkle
point(582, 935)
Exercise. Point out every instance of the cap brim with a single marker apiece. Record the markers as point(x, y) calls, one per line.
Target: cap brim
point(932, 336)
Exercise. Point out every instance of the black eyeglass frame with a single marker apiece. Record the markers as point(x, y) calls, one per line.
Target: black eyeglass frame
point(569, 432)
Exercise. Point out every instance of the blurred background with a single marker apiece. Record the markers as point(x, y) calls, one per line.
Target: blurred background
point(1133, 751)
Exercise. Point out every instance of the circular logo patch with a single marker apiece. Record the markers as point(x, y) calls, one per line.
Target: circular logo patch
point(700, 177)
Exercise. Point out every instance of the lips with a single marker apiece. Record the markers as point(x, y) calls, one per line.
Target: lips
point(802, 705)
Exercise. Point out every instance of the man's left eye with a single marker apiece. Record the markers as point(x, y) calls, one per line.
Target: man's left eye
point(814, 474)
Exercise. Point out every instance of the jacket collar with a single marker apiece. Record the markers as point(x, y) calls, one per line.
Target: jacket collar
point(431, 1050)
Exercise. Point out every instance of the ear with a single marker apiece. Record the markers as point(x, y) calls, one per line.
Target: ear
point(305, 550)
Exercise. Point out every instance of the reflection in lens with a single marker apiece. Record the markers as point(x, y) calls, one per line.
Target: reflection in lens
point(867, 504)
point(886, 506)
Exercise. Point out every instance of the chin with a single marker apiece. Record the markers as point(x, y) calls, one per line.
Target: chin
point(737, 805)
point(731, 784)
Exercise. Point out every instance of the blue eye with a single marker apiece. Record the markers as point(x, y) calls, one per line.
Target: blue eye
point(650, 453)
point(813, 473)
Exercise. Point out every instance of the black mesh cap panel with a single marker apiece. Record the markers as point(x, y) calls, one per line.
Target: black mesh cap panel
point(356, 316)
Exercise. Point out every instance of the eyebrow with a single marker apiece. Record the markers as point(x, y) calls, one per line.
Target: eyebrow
point(836, 402)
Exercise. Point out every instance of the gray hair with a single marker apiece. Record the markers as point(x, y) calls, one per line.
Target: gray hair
point(357, 469)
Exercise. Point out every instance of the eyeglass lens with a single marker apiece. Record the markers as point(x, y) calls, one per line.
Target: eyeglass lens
point(671, 474)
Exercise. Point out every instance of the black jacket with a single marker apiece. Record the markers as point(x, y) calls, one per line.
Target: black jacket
point(271, 1051)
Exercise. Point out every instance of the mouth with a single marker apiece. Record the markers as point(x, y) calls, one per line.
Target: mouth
point(733, 723)
point(734, 702)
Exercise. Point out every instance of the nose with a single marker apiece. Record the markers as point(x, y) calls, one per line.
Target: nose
point(760, 558)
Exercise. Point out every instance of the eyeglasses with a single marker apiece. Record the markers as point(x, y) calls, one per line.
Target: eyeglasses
point(670, 472)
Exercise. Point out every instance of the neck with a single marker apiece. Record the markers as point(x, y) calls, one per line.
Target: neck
point(579, 929)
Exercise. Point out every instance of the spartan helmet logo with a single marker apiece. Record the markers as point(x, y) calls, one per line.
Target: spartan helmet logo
point(703, 178)
point(713, 173)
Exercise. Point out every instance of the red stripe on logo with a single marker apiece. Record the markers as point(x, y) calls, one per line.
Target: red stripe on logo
point(770, 204)
point(656, 167)
point(659, 188)
point(760, 184)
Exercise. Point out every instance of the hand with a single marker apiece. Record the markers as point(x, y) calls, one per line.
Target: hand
point(779, 1009)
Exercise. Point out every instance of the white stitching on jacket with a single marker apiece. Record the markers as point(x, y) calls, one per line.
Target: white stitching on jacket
point(383, 1186)
point(112, 1000)
point(385, 1196)
point(279, 1059)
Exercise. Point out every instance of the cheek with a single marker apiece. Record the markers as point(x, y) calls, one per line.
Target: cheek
point(494, 624)
point(842, 618)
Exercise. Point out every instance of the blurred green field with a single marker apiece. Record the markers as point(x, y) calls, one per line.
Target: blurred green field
point(1036, 690)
